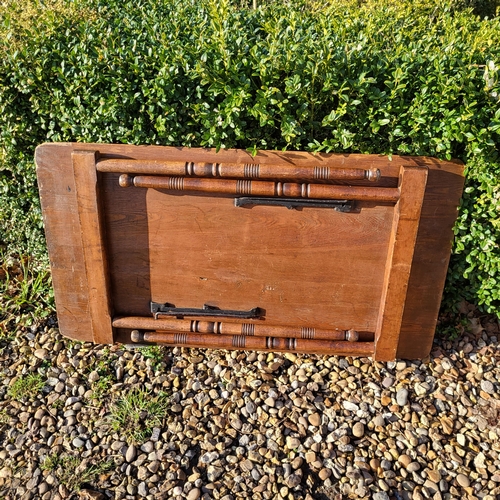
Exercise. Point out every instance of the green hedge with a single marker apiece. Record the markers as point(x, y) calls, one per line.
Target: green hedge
point(385, 77)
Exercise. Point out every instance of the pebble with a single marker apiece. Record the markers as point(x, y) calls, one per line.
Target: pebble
point(194, 494)
point(142, 490)
point(463, 480)
point(434, 476)
point(358, 430)
point(78, 443)
point(402, 397)
point(41, 353)
point(293, 480)
point(130, 453)
point(314, 419)
point(324, 474)
point(350, 406)
point(413, 467)
point(258, 425)
point(292, 442)
point(487, 387)
point(380, 495)
point(388, 382)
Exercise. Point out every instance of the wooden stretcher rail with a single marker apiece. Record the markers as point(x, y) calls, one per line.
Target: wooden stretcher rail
point(262, 188)
point(246, 329)
point(182, 339)
point(237, 171)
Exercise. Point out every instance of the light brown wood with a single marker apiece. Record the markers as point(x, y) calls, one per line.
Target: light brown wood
point(245, 187)
point(412, 182)
point(237, 171)
point(331, 347)
point(237, 328)
point(314, 267)
point(94, 254)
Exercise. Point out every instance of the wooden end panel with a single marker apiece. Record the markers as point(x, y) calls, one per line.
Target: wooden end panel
point(431, 257)
point(399, 261)
point(62, 229)
point(86, 183)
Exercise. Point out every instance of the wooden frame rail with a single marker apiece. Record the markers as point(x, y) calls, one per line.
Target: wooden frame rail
point(262, 188)
point(236, 171)
point(246, 329)
point(339, 348)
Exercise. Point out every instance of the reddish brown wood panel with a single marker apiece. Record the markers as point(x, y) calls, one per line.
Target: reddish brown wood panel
point(399, 261)
point(94, 254)
point(175, 247)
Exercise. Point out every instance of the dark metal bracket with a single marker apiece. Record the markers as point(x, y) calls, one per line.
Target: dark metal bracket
point(295, 203)
point(179, 312)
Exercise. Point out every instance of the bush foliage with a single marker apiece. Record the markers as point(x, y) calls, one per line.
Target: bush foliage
point(382, 76)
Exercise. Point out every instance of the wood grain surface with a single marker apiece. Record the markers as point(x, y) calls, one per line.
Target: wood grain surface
point(314, 267)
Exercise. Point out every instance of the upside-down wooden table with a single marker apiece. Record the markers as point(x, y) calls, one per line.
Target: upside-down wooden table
point(282, 251)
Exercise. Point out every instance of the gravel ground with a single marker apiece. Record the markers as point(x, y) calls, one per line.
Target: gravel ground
point(85, 421)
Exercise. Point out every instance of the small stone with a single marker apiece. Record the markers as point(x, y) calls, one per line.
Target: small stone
point(193, 494)
point(130, 453)
point(78, 443)
point(402, 397)
point(324, 474)
point(379, 421)
point(487, 386)
point(480, 461)
point(155, 435)
point(292, 443)
point(380, 495)
point(213, 473)
point(314, 419)
point(461, 440)
point(404, 460)
point(177, 491)
point(413, 467)
point(93, 376)
point(468, 348)
point(147, 447)
point(463, 480)
point(142, 490)
point(358, 430)
point(293, 480)
point(310, 457)
point(297, 462)
point(154, 466)
point(41, 353)
point(39, 414)
point(350, 406)
point(434, 476)
point(246, 465)
point(142, 473)
point(432, 487)
point(385, 400)
point(388, 382)
point(270, 402)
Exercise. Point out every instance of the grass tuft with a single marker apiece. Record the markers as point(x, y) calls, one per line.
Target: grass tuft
point(26, 387)
point(137, 413)
point(26, 293)
point(72, 471)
